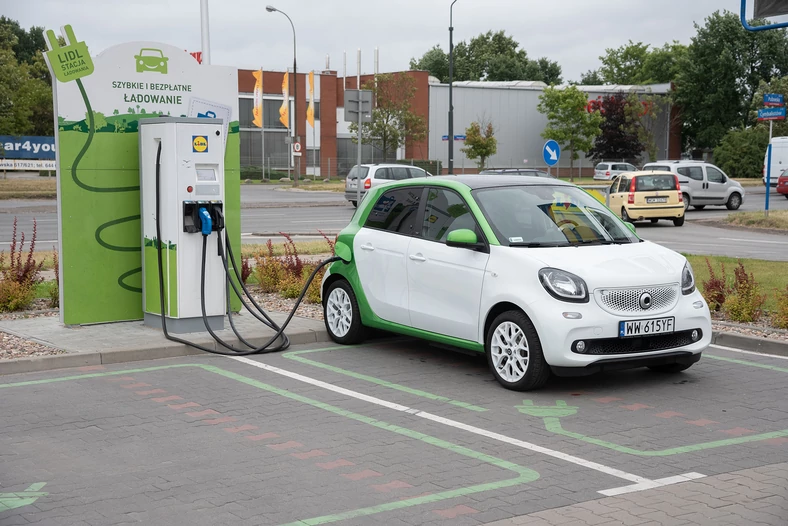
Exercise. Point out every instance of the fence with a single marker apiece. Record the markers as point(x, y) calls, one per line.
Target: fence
point(320, 169)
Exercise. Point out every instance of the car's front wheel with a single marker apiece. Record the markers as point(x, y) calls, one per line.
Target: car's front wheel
point(734, 202)
point(354, 203)
point(686, 198)
point(341, 314)
point(514, 352)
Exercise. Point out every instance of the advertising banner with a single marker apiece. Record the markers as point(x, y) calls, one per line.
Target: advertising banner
point(27, 147)
point(99, 102)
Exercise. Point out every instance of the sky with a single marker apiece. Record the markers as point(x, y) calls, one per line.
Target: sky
point(243, 34)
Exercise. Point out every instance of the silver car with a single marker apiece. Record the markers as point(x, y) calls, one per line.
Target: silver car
point(608, 171)
point(377, 174)
point(703, 184)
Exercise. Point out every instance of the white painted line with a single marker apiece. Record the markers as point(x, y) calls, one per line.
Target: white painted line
point(763, 355)
point(641, 483)
point(652, 484)
point(755, 241)
point(323, 221)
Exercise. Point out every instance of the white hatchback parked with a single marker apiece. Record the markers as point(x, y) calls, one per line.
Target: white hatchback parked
point(533, 272)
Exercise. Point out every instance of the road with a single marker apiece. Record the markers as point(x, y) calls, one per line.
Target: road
point(260, 215)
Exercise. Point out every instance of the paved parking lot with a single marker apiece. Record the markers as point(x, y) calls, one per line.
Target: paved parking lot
point(393, 432)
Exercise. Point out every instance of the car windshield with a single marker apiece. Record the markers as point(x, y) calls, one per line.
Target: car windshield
point(355, 170)
point(550, 216)
point(648, 183)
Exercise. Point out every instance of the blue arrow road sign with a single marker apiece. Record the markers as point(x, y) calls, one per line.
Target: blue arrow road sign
point(771, 114)
point(773, 99)
point(551, 152)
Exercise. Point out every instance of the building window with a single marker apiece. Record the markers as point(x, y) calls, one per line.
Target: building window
point(276, 150)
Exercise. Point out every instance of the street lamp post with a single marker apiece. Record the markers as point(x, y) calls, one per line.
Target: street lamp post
point(272, 9)
point(451, 79)
point(205, 34)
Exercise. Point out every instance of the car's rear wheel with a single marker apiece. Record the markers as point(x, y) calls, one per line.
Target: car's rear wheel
point(514, 352)
point(624, 216)
point(734, 201)
point(354, 203)
point(670, 367)
point(786, 196)
point(654, 221)
point(698, 207)
point(341, 314)
point(678, 221)
point(686, 201)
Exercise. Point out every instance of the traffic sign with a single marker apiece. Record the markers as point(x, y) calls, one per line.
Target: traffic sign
point(459, 137)
point(773, 99)
point(771, 114)
point(551, 152)
point(297, 147)
point(445, 138)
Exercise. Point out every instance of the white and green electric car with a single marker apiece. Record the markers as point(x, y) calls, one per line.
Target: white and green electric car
point(536, 273)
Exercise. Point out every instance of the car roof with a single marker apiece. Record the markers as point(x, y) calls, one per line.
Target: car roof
point(476, 181)
point(641, 173)
point(390, 165)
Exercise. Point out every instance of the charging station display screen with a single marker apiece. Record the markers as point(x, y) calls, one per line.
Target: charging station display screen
point(206, 174)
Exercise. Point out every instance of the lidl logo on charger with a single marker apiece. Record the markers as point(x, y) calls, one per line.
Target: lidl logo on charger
point(200, 143)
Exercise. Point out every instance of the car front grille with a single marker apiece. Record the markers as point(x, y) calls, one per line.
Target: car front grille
point(659, 342)
point(626, 301)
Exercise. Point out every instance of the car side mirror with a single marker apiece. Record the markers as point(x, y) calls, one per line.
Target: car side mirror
point(463, 238)
point(631, 226)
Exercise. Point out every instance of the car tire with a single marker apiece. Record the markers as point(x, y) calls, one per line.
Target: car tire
point(654, 221)
point(679, 221)
point(698, 207)
point(519, 330)
point(624, 216)
point(734, 201)
point(670, 368)
point(339, 304)
point(354, 203)
point(786, 196)
point(686, 201)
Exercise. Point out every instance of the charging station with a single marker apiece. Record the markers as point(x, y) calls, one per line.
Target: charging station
point(182, 180)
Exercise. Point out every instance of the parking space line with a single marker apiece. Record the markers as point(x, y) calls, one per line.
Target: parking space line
point(641, 482)
point(524, 475)
point(295, 355)
point(742, 351)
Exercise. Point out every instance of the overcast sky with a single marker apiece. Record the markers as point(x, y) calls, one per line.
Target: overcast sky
point(572, 32)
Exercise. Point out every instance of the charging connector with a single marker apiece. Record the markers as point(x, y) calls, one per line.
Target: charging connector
point(206, 222)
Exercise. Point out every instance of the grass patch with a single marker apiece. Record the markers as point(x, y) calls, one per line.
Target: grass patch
point(778, 219)
point(333, 186)
point(304, 248)
point(28, 188)
point(772, 276)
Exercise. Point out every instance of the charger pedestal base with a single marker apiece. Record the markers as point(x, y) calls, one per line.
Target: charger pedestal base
point(184, 325)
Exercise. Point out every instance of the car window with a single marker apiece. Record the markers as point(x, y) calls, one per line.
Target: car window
point(601, 166)
point(651, 183)
point(693, 172)
point(445, 211)
point(396, 211)
point(714, 175)
point(621, 167)
point(416, 172)
point(614, 186)
point(355, 171)
point(382, 173)
point(399, 173)
point(623, 184)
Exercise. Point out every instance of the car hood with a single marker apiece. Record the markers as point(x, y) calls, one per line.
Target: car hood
point(630, 265)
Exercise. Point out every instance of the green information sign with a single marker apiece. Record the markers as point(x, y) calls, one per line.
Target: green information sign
point(70, 62)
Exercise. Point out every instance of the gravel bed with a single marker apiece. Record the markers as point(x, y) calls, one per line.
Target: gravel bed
point(14, 347)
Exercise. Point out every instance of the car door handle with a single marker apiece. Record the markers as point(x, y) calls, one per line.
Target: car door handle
point(417, 257)
point(367, 247)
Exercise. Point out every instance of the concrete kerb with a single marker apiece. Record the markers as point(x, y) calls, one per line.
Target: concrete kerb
point(302, 336)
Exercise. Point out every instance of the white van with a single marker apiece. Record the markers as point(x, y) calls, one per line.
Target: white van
point(779, 159)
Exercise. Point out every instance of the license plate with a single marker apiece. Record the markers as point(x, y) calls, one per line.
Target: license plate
point(635, 328)
point(651, 200)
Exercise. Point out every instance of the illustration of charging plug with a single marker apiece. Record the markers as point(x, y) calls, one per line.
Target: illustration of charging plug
point(70, 62)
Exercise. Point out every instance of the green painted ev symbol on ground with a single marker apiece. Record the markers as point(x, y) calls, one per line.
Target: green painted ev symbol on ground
point(71, 62)
point(541, 411)
point(152, 60)
point(9, 501)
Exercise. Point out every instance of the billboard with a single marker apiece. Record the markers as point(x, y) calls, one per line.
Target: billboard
point(27, 147)
point(99, 102)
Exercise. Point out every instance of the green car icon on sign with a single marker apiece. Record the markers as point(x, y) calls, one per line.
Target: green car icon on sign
point(150, 59)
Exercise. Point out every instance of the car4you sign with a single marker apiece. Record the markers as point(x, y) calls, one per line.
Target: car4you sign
point(100, 100)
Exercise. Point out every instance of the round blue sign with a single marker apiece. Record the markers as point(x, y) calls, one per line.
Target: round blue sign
point(551, 152)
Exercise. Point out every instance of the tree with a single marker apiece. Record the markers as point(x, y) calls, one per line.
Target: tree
point(741, 151)
point(568, 121)
point(722, 69)
point(618, 138)
point(28, 43)
point(480, 142)
point(662, 65)
point(591, 78)
point(624, 64)
point(779, 86)
point(393, 121)
point(641, 116)
point(491, 57)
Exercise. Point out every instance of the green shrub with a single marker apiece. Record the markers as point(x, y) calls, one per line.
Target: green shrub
point(715, 289)
point(746, 303)
point(16, 296)
point(268, 270)
point(290, 287)
point(780, 316)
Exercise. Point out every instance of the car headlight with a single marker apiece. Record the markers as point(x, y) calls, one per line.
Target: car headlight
point(563, 285)
point(687, 280)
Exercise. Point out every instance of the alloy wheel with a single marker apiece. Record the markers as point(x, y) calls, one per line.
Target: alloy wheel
point(339, 312)
point(509, 351)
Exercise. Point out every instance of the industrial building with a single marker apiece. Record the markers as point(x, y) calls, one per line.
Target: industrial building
point(328, 148)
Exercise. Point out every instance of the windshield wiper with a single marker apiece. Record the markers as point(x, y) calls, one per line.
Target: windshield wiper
point(537, 244)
